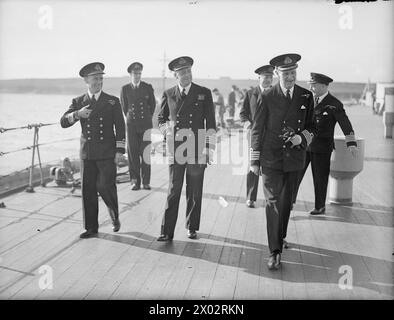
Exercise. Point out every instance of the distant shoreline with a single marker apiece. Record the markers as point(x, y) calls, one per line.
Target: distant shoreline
point(112, 85)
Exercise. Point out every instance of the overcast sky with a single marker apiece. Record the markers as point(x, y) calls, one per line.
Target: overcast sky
point(53, 39)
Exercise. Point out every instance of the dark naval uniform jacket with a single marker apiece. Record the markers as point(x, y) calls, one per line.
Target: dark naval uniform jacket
point(272, 115)
point(138, 105)
point(249, 105)
point(99, 140)
point(195, 115)
point(326, 114)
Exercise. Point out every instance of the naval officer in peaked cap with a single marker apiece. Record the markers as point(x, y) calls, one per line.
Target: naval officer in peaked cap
point(186, 118)
point(102, 146)
point(247, 113)
point(138, 103)
point(281, 132)
point(327, 111)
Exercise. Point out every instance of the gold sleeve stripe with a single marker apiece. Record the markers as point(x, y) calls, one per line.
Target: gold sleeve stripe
point(350, 138)
point(120, 144)
point(254, 155)
point(70, 118)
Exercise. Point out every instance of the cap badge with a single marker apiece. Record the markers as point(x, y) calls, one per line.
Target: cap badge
point(287, 60)
point(182, 61)
point(97, 67)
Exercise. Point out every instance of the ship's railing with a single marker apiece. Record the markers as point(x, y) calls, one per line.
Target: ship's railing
point(157, 147)
point(35, 149)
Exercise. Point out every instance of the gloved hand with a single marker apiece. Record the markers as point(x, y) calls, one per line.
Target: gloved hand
point(247, 125)
point(118, 158)
point(209, 154)
point(295, 140)
point(353, 150)
point(255, 169)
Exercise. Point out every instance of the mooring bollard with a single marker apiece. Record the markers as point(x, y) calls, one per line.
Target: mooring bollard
point(344, 167)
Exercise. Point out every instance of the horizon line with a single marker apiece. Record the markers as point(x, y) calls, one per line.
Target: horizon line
point(219, 78)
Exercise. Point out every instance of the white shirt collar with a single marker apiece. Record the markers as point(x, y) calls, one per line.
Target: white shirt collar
point(264, 89)
point(136, 85)
point(284, 90)
point(96, 95)
point(322, 97)
point(187, 88)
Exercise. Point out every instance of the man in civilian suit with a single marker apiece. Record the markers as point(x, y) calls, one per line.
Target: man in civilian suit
point(281, 131)
point(327, 112)
point(138, 103)
point(187, 119)
point(101, 147)
point(248, 110)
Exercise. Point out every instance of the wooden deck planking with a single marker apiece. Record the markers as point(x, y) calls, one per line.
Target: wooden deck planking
point(183, 272)
point(319, 266)
point(66, 232)
point(133, 234)
point(29, 255)
point(201, 283)
point(117, 246)
point(29, 225)
point(172, 254)
point(225, 278)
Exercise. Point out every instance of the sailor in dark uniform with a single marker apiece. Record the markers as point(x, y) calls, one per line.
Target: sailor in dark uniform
point(102, 147)
point(231, 101)
point(187, 119)
point(138, 104)
point(246, 115)
point(328, 111)
point(281, 131)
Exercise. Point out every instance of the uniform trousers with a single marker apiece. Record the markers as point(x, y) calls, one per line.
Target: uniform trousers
point(252, 180)
point(320, 163)
point(194, 186)
point(139, 156)
point(279, 187)
point(98, 176)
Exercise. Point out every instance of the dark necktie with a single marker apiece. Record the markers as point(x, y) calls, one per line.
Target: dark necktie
point(288, 97)
point(183, 95)
point(93, 101)
point(316, 101)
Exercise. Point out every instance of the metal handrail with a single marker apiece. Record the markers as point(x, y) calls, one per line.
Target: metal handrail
point(29, 126)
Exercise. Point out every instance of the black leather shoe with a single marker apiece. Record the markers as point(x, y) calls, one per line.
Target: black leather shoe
point(146, 186)
point(318, 211)
point(285, 244)
point(271, 262)
point(135, 187)
point(250, 203)
point(88, 234)
point(277, 260)
point(116, 225)
point(164, 237)
point(274, 261)
point(192, 234)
